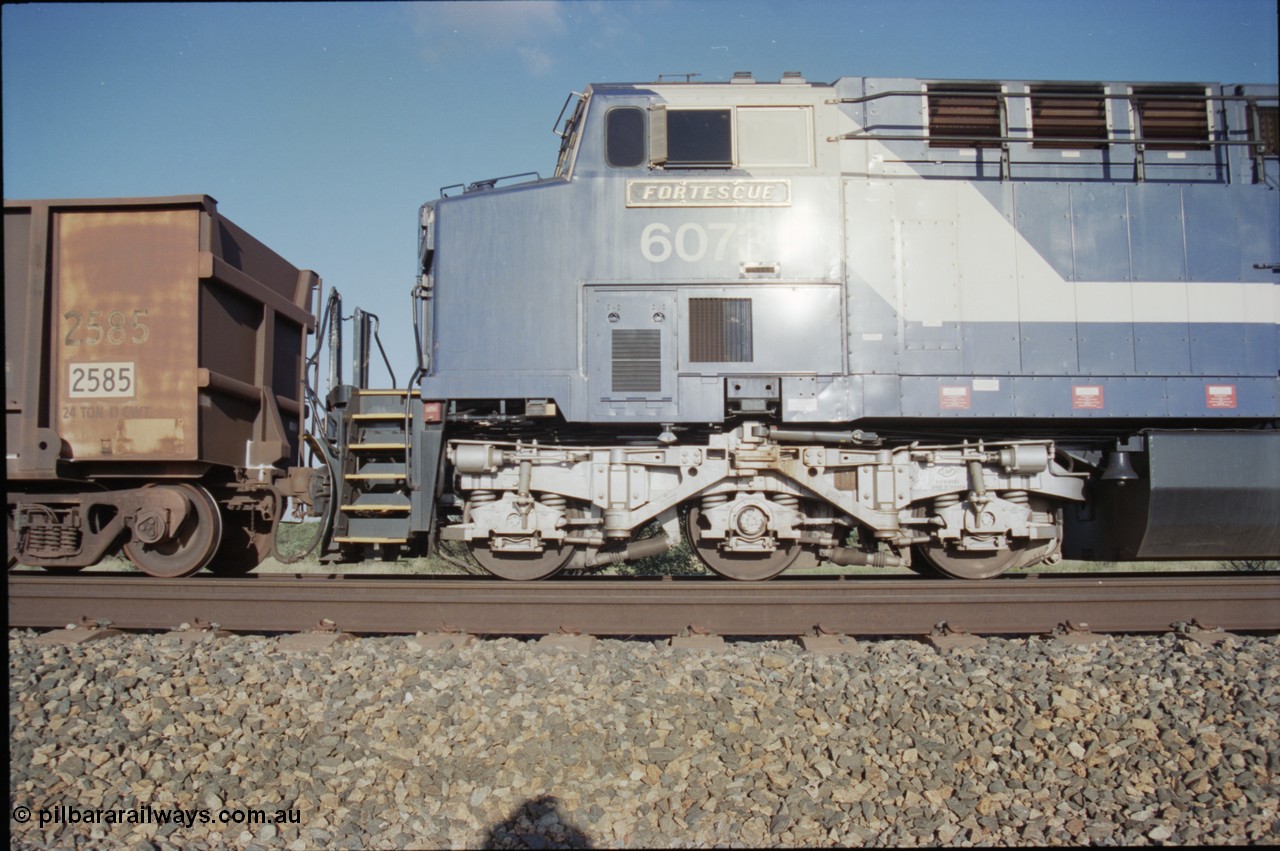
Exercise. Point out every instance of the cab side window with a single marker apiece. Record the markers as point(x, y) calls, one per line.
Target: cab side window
point(746, 136)
point(699, 137)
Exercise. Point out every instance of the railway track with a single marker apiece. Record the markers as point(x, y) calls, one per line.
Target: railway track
point(1030, 604)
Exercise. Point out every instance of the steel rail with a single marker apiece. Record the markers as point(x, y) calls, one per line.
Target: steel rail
point(622, 606)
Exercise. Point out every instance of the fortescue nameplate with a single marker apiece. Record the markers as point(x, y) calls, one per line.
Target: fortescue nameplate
point(708, 193)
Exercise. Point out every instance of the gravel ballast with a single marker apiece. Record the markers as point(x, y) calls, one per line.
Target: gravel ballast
point(381, 743)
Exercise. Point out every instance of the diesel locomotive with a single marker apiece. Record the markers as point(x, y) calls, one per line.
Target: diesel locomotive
point(961, 326)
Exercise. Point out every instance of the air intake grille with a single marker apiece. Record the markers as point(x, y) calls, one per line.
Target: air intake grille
point(720, 330)
point(637, 361)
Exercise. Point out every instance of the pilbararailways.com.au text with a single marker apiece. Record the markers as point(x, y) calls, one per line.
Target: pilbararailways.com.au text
point(70, 814)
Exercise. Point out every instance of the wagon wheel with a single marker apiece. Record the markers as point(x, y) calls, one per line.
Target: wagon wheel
point(191, 546)
point(747, 567)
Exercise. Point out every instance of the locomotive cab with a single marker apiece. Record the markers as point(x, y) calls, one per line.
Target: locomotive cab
point(690, 239)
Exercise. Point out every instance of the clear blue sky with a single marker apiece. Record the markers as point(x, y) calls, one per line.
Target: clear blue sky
point(321, 128)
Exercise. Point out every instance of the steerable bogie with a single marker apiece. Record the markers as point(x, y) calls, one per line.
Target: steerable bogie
point(756, 497)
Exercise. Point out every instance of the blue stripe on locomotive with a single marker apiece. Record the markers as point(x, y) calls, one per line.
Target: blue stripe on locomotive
point(897, 285)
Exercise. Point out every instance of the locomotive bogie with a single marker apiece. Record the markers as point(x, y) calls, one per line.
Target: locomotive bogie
point(754, 499)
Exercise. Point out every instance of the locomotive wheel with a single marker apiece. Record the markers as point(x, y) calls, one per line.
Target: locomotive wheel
point(522, 567)
point(244, 546)
point(987, 564)
point(966, 565)
point(745, 567)
point(191, 546)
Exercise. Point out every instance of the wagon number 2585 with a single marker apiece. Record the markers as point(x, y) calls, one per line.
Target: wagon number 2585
point(94, 380)
point(87, 328)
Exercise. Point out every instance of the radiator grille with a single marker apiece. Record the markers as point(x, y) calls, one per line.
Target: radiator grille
point(1180, 116)
point(720, 330)
point(1070, 114)
point(969, 112)
point(637, 361)
point(1268, 130)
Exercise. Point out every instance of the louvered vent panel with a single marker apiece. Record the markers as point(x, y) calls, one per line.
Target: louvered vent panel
point(1268, 130)
point(720, 330)
point(1179, 115)
point(1071, 114)
point(970, 112)
point(637, 361)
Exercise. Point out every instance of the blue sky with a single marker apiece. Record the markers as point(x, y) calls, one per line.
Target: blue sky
point(321, 128)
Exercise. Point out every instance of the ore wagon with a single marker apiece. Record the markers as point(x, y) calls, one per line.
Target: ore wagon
point(153, 383)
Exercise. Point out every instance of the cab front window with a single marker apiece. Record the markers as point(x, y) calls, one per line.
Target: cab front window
point(625, 137)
